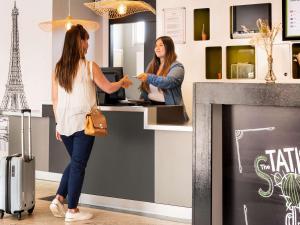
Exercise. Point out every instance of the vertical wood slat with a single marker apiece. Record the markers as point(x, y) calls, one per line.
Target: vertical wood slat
point(202, 165)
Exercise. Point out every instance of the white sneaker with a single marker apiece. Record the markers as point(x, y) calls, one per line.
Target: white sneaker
point(57, 208)
point(70, 217)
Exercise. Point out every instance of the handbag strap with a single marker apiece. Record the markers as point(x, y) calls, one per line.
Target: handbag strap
point(91, 70)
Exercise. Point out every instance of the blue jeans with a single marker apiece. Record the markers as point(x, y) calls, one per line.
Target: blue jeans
point(79, 147)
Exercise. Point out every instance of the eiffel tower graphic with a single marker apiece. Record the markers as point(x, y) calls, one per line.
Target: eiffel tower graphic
point(14, 98)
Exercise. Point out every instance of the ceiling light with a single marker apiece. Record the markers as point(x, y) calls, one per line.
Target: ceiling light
point(68, 22)
point(114, 9)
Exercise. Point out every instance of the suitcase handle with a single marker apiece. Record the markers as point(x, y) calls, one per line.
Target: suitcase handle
point(23, 111)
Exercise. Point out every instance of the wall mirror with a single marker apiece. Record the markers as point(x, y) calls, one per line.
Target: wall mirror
point(132, 41)
point(128, 40)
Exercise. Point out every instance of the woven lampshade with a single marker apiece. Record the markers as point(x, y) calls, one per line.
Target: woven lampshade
point(68, 22)
point(114, 9)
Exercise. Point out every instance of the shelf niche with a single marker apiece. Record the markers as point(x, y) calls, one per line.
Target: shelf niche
point(240, 62)
point(201, 24)
point(213, 62)
point(296, 60)
point(246, 16)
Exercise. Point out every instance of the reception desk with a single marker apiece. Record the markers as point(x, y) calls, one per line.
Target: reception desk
point(140, 161)
point(141, 166)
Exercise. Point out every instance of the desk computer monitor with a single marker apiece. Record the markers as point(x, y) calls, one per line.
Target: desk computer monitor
point(113, 74)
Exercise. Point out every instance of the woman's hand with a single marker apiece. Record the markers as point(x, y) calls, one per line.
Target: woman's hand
point(143, 77)
point(58, 137)
point(125, 82)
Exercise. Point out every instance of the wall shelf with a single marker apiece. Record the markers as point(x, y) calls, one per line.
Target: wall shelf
point(296, 60)
point(201, 24)
point(213, 62)
point(245, 16)
point(240, 62)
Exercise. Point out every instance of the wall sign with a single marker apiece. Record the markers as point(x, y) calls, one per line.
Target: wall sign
point(174, 24)
point(261, 165)
point(291, 19)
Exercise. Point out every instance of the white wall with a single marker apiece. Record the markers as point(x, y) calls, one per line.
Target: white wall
point(39, 50)
point(37, 58)
point(35, 48)
point(192, 54)
point(77, 11)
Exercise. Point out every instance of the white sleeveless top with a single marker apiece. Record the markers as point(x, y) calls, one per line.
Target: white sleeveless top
point(155, 94)
point(73, 107)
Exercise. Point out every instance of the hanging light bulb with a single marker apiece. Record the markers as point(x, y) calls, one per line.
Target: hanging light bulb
point(68, 23)
point(122, 9)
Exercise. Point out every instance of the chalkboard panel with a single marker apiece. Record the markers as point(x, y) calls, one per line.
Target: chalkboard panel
point(261, 165)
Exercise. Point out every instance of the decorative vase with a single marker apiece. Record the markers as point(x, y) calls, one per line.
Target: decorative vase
point(270, 77)
point(203, 34)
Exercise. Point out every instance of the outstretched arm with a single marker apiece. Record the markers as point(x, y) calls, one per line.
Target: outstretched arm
point(105, 85)
point(173, 79)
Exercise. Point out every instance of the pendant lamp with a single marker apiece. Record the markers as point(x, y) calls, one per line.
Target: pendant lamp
point(115, 9)
point(68, 22)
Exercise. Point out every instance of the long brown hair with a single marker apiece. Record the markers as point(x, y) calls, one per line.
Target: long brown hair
point(66, 68)
point(170, 57)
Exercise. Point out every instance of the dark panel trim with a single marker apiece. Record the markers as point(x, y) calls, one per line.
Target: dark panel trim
point(47, 111)
point(111, 47)
point(248, 94)
point(202, 163)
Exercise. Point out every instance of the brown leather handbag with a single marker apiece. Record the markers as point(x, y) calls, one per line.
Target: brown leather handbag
point(95, 123)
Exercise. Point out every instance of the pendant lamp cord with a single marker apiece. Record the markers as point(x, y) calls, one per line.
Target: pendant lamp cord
point(69, 8)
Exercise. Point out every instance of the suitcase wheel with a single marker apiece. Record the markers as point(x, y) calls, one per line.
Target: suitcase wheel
point(19, 215)
point(30, 211)
point(1, 214)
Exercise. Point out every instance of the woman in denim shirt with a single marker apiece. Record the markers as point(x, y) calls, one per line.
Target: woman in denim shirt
point(161, 84)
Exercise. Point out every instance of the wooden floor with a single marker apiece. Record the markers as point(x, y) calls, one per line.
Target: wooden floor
point(42, 215)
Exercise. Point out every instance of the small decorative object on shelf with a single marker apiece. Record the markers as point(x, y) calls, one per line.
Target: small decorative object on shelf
point(297, 58)
point(265, 38)
point(203, 34)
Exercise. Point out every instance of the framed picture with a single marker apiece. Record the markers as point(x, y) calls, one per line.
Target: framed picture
point(290, 20)
point(174, 24)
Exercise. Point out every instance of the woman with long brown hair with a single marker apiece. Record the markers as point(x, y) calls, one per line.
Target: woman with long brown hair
point(161, 84)
point(73, 96)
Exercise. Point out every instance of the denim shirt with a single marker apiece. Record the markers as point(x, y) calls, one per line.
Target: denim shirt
point(170, 85)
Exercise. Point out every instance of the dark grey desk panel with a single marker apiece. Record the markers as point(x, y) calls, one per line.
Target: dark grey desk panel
point(58, 156)
point(121, 165)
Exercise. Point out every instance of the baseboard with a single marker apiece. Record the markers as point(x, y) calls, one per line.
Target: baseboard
point(170, 211)
point(162, 210)
point(42, 175)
